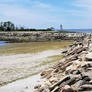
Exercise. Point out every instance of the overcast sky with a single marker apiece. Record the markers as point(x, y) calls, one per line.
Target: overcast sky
point(47, 13)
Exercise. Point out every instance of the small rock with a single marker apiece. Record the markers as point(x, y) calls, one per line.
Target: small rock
point(89, 57)
point(53, 79)
point(85, 87)
point(36, 91)
point(44, 89)
point(65, 51)
point(26, 87)
point(46, 72)
point(37, 86)
point(87, 78)
point(90, 82)
point(67, 88)
point(77, 72)
point(47, 83)
point(56, 70)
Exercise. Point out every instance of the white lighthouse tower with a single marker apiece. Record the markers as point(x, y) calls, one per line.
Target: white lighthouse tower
point(61, 27)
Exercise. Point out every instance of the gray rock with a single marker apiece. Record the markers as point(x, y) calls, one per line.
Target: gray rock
point(37, 86)
point(85, 87)
point(89, 57)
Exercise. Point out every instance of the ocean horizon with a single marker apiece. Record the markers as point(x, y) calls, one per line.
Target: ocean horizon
point(80, 30)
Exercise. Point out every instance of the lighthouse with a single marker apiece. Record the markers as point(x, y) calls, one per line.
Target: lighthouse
point(61, 27)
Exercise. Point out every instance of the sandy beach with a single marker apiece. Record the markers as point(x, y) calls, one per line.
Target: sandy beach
point(23, 85)
point(23, 66)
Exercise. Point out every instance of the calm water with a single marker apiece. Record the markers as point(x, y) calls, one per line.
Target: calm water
point(2, 43)
point(31, 47)
point(80, 30)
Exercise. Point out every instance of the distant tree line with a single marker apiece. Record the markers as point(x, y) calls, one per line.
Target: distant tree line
point(9, 26)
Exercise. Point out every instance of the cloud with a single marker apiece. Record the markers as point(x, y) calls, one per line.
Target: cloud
point(80, 15)
point(86, 11)
point(84, 3)
point(41, 5)
point(39, 14)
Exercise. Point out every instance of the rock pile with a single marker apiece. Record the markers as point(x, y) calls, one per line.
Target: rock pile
point(73, 73)
point(34, 36)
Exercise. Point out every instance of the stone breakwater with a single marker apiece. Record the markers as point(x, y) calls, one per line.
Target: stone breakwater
point(39, 36)
point(73, 73)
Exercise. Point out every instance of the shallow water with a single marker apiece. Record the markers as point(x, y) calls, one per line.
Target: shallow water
point(2, 43)
point(31, 47)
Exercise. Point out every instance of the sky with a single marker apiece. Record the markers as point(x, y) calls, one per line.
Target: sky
point(72, 14)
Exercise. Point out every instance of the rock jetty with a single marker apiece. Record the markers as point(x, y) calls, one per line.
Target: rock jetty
point(39, 36)
point(73, 73)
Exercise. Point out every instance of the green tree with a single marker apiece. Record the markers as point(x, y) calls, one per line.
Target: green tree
point(1, 26)
point(50, 29)
point(7, 26)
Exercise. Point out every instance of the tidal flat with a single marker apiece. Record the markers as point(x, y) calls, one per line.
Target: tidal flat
point(32, 47)
point(22, 60)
